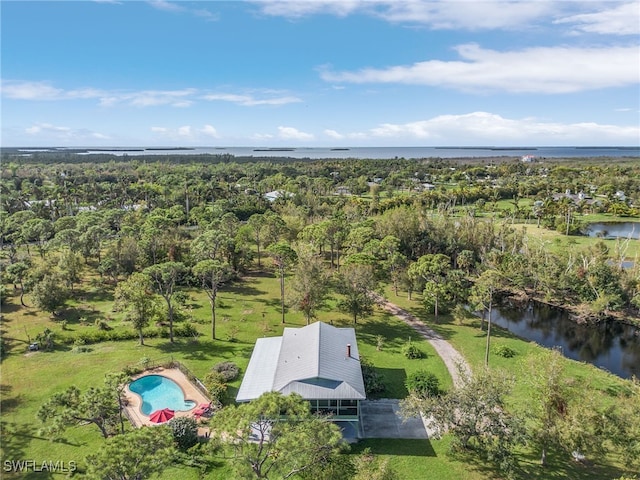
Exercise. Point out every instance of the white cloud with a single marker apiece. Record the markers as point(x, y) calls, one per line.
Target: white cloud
point(44, 91)
point(152, 98)
point(29, 91)
point(249, 100)
point(622, 19)
point(487, 128)
point(179, 7)
point(290, 133)
point(538, 69)
point(209, 131)
point(181, 98)
point(610, 17)
point(471, 15)
point(166, 6)
point(299, 9)
point(47, 132)
point(186, 133)
point(334, 134)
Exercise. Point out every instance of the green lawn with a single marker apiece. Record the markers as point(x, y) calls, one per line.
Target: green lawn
point(247, 310)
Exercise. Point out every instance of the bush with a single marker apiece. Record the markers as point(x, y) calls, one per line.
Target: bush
point(185, 329)
point(185, 432)
point(228, 370)
point(102, 325)
point(412, 352)
point(372, 379)
point(504, 351)
point(216, 385)
point(423, 384)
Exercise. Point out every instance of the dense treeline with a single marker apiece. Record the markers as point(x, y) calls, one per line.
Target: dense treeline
point(120, 216)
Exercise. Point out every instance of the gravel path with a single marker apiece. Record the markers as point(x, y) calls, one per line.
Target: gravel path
point(453, 360)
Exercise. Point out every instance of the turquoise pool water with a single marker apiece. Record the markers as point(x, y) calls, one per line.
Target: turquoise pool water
point(158, 392)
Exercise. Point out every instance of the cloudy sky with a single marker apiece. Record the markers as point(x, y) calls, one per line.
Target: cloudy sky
point(320, 73)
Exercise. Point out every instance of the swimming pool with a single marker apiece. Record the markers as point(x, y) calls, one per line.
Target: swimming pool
point(158, 392)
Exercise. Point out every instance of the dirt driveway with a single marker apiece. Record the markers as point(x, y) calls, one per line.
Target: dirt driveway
point(453, 360)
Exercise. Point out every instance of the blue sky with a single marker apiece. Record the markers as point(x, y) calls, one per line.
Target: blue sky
point(320, 73)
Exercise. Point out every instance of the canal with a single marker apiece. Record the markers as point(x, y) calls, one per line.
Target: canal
point(609, 345)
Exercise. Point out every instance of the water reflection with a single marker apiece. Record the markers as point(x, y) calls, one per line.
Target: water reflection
point(614, 230)
point(609, 345)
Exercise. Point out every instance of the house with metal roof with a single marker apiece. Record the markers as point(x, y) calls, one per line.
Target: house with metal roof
point(320, 362)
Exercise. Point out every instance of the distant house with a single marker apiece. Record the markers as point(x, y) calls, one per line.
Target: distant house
point(274, 195)
point(319, 362)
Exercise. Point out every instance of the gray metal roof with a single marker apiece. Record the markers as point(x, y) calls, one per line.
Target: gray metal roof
point(311, 361)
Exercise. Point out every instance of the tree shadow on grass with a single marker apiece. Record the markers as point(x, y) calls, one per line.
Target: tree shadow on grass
point(395, 447)
point(8, 403)
point(203, 350)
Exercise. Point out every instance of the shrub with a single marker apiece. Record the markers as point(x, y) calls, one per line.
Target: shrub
point(185, 432)
point(423, 384)
point(412, 352)
point(102, 325)
point(145, 362)
point(372, 379)
point(216, 385)
point(504, 351)
point(228, 370)
point(132, 370)
point(233, 333)
point(185, 329)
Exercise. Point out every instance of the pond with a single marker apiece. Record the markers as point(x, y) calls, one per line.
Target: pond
point(614, 230)
point(612, 346)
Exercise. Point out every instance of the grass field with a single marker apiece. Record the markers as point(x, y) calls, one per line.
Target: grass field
point(247, 310)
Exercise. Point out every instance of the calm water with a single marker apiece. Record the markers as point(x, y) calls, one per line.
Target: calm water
point(614, 230)
point(383, 152)
point(608, 345)
point(160, 392)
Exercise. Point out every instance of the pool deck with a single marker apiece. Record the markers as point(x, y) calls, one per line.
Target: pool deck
point(134, 402)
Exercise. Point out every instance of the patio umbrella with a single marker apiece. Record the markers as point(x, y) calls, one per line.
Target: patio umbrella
point(161, 416)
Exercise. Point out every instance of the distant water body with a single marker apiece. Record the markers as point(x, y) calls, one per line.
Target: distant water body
point(375, 152)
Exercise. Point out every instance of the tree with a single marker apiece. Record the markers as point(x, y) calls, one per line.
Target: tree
point(185, 432)
point(212, 274)
point(551, 393)
point(257, 222)
point(97, 406)
point(135, 296)
point(309, 286)
point(356, 282)
point(475, 414)
point(276, 434)
point(17, 273)
point(136, 455)
point(49, 293)
point(432, 268)
point(164, 278)
point(283, 256)
point(209, 245)
point(70, 266)
point(38, 231)
point(482, 296)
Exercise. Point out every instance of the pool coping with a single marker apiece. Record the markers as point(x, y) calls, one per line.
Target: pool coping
point(134, 401)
